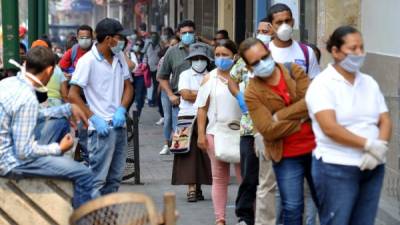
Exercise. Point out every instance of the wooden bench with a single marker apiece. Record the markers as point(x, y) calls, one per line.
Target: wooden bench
point(35, 201)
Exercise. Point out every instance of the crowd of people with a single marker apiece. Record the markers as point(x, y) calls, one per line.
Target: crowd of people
point(264, 106)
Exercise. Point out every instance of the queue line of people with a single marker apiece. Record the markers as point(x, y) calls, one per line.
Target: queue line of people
point(286, 121)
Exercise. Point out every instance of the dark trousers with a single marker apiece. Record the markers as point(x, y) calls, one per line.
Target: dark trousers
point(140, 92)
point(249, 166)
point(154, 97)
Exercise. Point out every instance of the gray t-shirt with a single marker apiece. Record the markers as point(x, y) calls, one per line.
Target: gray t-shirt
point(174, 64)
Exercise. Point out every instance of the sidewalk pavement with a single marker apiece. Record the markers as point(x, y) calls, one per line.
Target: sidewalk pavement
point(156, 172)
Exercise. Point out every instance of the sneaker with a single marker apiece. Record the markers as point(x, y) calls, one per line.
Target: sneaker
point(164, 150)
point(241, 223)
point(160, 122)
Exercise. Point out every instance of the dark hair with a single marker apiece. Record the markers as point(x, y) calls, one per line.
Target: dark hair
point(141, 45)
point(143, 26)
point(174, 37)
point(21, 45)
point(46, 39)
point(227, 44)
point(100, 37)
point(316, 50)
point(223, 33)
point(168, 31)
point(39, 58)
point(247, 44)
point(186, 23)
point(71, 42)
point(85, 27)
point(264, 20)
point(337, 37)
point(280, 7)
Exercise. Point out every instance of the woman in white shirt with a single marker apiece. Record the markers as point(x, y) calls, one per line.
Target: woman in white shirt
point(216, 103)
point(192, 168)
point(352, 128)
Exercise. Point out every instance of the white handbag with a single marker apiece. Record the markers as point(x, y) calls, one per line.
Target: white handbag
point(226, 138)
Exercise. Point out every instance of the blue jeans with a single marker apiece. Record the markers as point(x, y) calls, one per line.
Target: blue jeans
point(290, 174)
point(170, 116)
point(140, 92)
point(347, 195)
point(59, 167)
point(50, 130)
point(107, 156)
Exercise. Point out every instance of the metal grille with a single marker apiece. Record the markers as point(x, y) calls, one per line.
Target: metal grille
point(120, 214)
point(132, 168)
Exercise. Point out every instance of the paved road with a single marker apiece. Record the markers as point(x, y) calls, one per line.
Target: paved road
point(156, 177)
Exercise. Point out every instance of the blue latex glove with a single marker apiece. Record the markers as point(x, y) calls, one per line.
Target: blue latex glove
point(242, 103)
point(119, 117)
point(99, 124)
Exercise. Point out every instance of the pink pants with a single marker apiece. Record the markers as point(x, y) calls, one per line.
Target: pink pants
point(220, 177)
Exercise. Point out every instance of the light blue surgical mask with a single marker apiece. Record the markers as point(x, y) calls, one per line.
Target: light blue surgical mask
point(265, 38)
point(118, 48)
point(264, 68)
point(223, 63)
point(352, 63)
point(187, 38)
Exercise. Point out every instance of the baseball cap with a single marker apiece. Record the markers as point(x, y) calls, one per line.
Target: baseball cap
point(39, 43)
point(110, 26)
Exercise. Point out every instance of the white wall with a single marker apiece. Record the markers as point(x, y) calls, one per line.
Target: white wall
point(380, 26)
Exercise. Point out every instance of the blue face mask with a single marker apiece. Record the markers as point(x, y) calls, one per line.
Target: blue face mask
point(118, 48)
point(187, 38)
point(264, 68)
point(223, 63)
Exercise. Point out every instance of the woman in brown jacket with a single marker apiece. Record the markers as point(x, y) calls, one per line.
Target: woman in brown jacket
point(275, 99)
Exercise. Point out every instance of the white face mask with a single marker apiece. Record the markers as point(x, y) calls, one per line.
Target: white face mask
point(199, 65)
point(352, 63)
point(265, 38)
point(84, 43)
point(285, 32)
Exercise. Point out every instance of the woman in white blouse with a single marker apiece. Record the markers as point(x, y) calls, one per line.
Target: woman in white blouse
point(216, 103)
point(352, 128)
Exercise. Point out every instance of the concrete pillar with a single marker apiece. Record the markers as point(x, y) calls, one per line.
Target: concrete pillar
point(226, 16)
point(332, 14)
point(190, 9)
point(172, 13)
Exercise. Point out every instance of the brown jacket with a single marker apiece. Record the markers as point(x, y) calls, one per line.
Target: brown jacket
point(264, 102)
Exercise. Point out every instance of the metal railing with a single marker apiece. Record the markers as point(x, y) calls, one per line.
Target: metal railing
point(132, 168)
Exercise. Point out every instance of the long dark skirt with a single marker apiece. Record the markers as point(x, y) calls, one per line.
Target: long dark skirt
point(193, 167)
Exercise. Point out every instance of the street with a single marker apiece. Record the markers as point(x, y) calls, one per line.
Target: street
point(156, 173)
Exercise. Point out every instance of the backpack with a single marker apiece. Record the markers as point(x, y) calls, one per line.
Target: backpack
point(74, 53)
point(304, 49)
point(288, 66)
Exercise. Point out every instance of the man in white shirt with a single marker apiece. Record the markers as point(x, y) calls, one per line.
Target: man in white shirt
point(103, 75)
point(283, 48)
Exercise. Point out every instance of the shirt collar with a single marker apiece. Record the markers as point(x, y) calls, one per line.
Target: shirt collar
point(337, 76)
point(96, 53)
point(198, 74)
point(181, 45)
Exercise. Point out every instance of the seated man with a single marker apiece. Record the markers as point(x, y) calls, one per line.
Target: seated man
point(20, 154)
